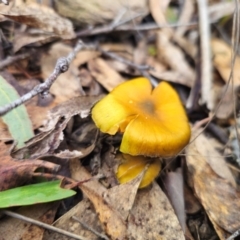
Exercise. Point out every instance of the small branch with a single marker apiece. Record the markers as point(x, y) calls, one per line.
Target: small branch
point(143, 69)
point(103, 236)
point(206, 63)
point(43, 225)
point(123, 60)
point(62, 66)
point(130, 27)
point(11, 59)
point(234, 235)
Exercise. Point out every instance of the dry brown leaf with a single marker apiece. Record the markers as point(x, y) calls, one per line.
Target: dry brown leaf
point(226, 96)
point(158, 9)
point(38, 38)
point(85, 212)
point(15, 172)
point(110, 218)
point(85, 56)
point(212, 157)
point(79, 105)
point(140, 53)
point(13, 228)
point(128, 192)
point(42, 17)
point(4, 133)
point(222, 61)
point(152, 217)
point(174, 57)
point(219, 198)
point(39, 114)
point(45, 143)
point(175, 191)
point(93, 12)
point(185, 17)
point(104, 74)
point(192, 205)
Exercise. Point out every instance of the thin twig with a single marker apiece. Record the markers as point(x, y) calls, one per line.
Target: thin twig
point(130, 27)
point(234, 235)
point(11, 59)
point(123, 60)
point(235, 45)
point(43, 225)
point(62, 66)
point(90, 228)
point(206, 63)
point(143, 69)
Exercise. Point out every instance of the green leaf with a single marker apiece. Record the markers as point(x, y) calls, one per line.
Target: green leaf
point(33, 194)
point(17, 120)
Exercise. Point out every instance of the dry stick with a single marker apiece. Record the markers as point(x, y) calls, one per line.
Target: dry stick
point(130, 27)
point(90, 228)
point(11, 59)
point(235, 44)
point(123, 60)
point(234, 235)
point(206, 64)
point(62, 66)
point(43, 225)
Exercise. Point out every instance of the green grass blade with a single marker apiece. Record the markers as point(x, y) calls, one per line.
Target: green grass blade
point(33, 194)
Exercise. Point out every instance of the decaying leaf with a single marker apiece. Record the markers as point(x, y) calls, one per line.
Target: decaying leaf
point(213, 158)
point(85, 212)
point(104, 74)
point(42, 212)
point(222, 61)
point(136, 213)
point(15, 172)
point(152, 217)
point(215, 191)
point(42, 17)
point(46, 142)
point(94, 12)
point(175, 189)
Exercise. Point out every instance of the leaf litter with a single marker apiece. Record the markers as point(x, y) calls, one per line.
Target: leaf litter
point(203, 181)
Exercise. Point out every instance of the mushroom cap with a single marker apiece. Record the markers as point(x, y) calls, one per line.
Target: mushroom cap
point(132, 166)
point(153, 121)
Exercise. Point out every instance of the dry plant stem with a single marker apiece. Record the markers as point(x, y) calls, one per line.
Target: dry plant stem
point(234, 235)
point(130, 27)
point(11, 59)
point(43, 225)
point(125, 61)
point(143, 69)
point(235, 45)
point(43, 88)
point(206, 64)
point(90, 228)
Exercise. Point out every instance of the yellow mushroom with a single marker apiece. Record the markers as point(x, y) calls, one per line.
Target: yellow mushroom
point(132, 166)
point(153, 121)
